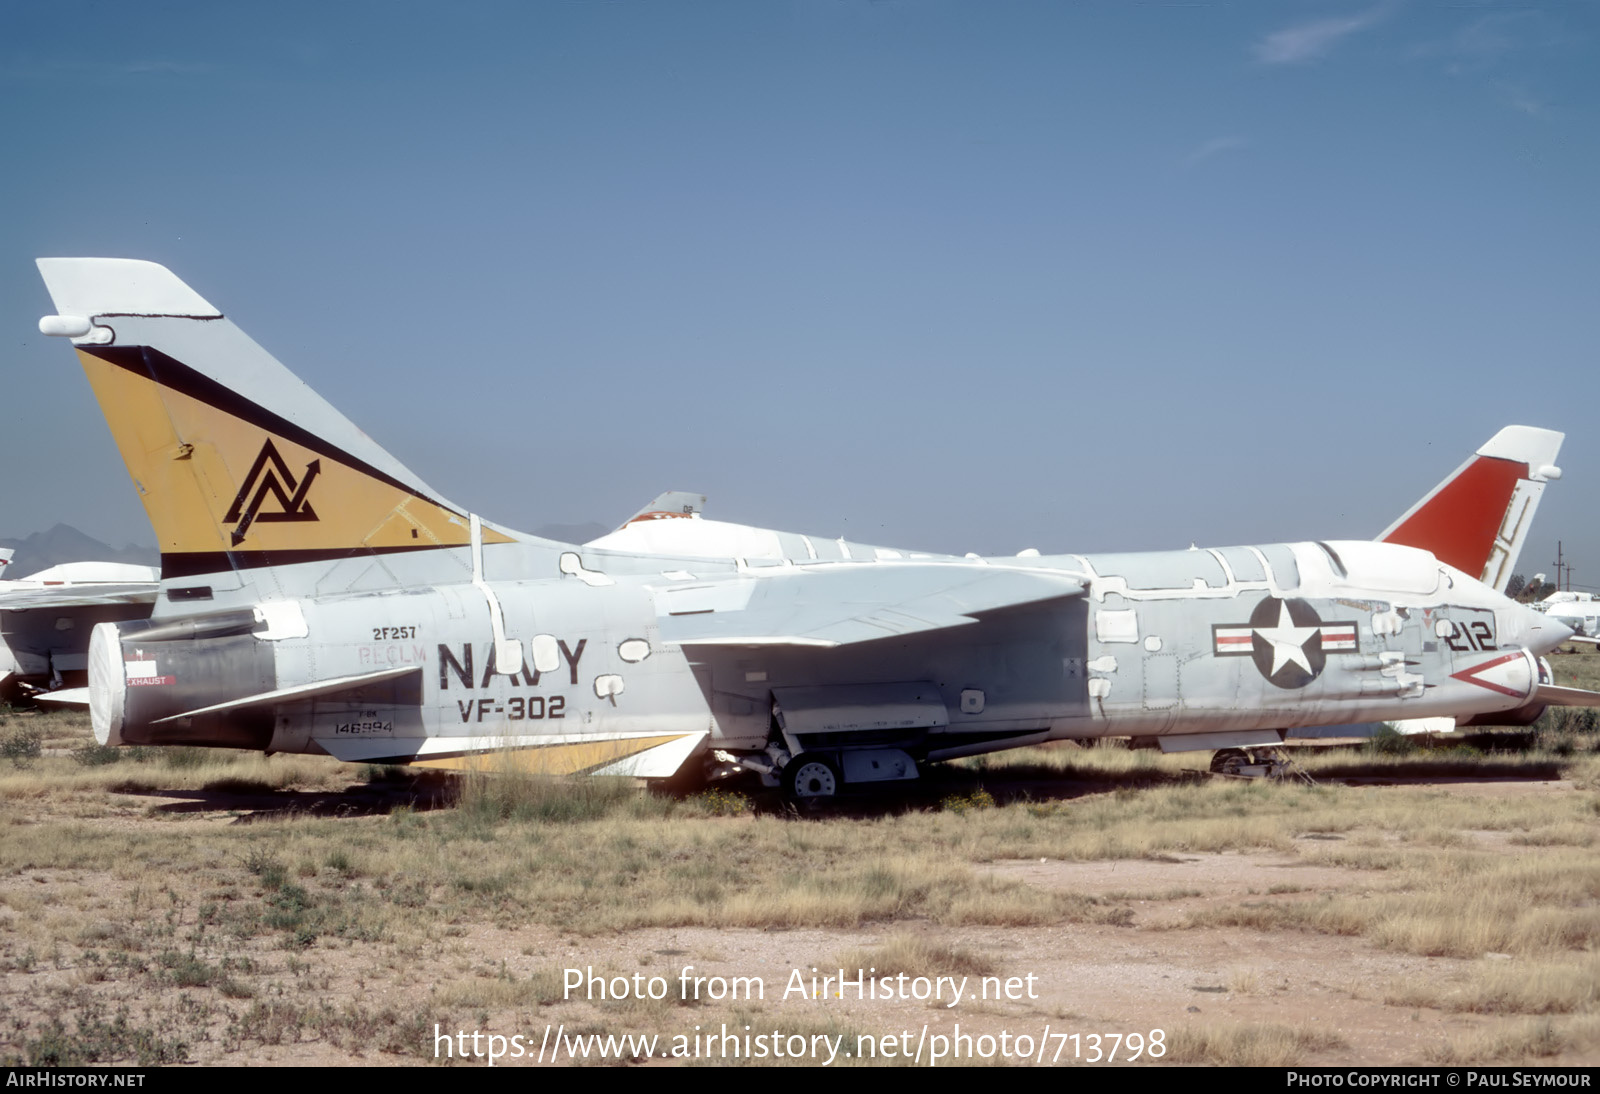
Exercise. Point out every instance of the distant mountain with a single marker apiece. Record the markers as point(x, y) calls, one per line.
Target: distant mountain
point(64, 543)
point(572, 533)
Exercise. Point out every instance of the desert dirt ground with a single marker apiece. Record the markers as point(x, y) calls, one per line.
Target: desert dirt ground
point(1437, 907)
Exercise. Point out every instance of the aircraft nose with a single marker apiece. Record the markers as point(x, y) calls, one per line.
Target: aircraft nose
point(1521, 626)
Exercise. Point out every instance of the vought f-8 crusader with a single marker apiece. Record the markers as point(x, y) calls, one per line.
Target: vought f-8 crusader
point(317, 596)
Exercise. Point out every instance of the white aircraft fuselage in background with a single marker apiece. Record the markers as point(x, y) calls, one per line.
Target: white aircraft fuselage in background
point(317, 596)
point(47, 617)
point(1580, 611)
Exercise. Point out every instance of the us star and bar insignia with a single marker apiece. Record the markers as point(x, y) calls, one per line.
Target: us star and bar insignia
point(1287, 639)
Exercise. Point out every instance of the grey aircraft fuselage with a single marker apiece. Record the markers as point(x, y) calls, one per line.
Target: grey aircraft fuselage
point(1161, 644)
point(317, 596)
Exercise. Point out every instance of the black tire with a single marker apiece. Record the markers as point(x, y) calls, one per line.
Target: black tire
point(1228, 761)
point(810, 778)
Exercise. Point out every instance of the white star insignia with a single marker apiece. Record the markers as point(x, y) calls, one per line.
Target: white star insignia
point(1288, 642)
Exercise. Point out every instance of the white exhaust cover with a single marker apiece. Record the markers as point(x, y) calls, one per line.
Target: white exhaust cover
point(108, 684)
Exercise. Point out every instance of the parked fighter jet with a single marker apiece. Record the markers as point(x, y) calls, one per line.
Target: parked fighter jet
point(46, 619)
point(317, 596)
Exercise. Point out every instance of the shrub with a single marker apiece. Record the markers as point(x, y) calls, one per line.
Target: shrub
point(22, 746)
point(961, 803)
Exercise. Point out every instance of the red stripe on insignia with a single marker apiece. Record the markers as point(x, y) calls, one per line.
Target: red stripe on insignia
point(1339, 637)
point(1232, 640)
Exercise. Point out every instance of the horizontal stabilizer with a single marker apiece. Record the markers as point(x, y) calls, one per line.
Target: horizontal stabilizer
point(301, 691)
point(63, 697)
point(1552, 696)
point(78, 596)
point(839, 606)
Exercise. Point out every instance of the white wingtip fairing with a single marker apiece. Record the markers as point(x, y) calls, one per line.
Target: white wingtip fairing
point(91, 287)
point(1538, 448)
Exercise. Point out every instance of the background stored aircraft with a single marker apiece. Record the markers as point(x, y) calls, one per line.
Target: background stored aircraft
point(47, 617)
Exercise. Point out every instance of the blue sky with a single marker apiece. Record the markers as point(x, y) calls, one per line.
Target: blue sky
point(1075, 276)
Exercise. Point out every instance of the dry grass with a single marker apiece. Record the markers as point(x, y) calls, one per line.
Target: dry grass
point(1569, 834)
point(1532, 1040)
point(1458, 905)
point(1501, 985)
point(1250, 1046)
point(152, 770)
point(499, 989)
point(915, 956)
point(238, 918)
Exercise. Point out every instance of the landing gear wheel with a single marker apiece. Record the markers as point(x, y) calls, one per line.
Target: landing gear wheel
point(810, 778)
point(1229, 761)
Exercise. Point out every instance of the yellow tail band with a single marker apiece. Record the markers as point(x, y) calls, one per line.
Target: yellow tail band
point(228, 484)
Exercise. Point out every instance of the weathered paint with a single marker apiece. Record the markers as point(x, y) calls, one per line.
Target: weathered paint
point(420, 632)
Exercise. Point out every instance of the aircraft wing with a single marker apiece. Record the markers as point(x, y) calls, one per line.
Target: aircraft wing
point(78, 596)
point(838, 606)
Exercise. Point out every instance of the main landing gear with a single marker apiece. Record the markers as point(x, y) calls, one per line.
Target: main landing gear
point(822, 774)
point(1253, 763)
point(810, 779)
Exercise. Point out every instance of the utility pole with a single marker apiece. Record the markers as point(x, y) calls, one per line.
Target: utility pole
point(1560, 583)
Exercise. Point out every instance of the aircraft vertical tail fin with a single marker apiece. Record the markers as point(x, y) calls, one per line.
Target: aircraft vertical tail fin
point(1478, 519)
point(672, 503)
point(238, 463)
